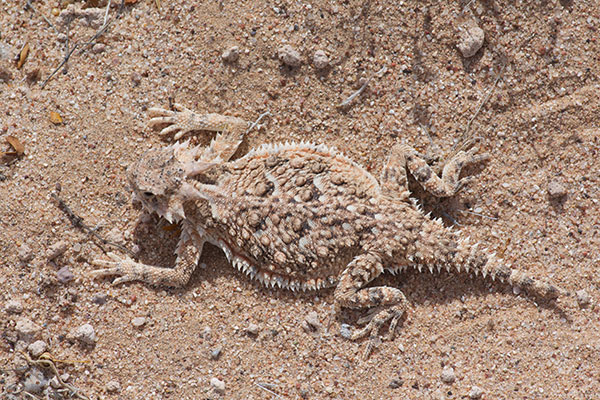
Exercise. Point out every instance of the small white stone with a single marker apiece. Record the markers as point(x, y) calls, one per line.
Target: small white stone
point(13, 307)
point(35, 382)
point(252, 329)
point(320, 60)
point(471, 38)
point(85, 334)
point(113, 387)
point(218, 384)
point(138, 322)
point(37, 348)
point(289, 56)
point(583, 298)
point(448, 376)
point(475, 393)
point(231, 55)
point(27, 330)
point(556, 189)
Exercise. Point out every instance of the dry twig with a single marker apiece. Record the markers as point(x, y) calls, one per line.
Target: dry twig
point(84, 47)
point(77, 222)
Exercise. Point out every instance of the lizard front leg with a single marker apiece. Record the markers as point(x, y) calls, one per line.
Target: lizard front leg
point(182, 121)
point(188, 253)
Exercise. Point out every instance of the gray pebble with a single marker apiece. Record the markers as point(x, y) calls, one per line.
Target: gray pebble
point(25, 253)
point(583, 298)
point(252, 329)
point(113, 387)
point(64, 275)
point(99, 298)
point(396, 383)
point(27, 330)
point(556, 189)
point(471, 38)
point(35, 382)
point(98, 48)
point(13, 307)
point(231, 55)
point(85, 334)
point(56, 250)
point(320, 60)
point(218, 384)
point(138, 322)
point(288, 56)
point(216, 352)
point(475, 393)
point(37, 348)
point(346, 331)
point(448, 376)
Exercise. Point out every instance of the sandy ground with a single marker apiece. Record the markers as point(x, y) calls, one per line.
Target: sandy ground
point(535, 202)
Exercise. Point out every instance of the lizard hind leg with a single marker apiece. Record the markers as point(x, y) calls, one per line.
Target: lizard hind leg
point(386, 303)
point(446, 185)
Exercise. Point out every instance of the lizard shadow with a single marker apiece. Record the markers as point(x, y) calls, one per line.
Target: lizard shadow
point(157, 247)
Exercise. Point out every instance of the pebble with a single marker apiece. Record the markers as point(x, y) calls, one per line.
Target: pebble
point(85, 334)
point(64, 275)
point(13, 307)
point(113, 387)
point(136, 79)
point(35, 382)
point(475, 393)
point(583, 298)
point(312, 322)
point(289, 56)
point(218, 384)
point(27, 330)
point(231, 55)
point(448, 375)
point(346, 331)
point(56, 250)
point(5, 74)
point(98, 48)
point(37, 348)
point(396, 383)
point(471, 38)
point(320, 60)
point(252, 329)
point(216, 352)
point(25, 253)
point(138, 322)
point(99, 298)
point(556, 189)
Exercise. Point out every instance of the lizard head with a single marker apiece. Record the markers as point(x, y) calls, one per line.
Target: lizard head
point(158, 180)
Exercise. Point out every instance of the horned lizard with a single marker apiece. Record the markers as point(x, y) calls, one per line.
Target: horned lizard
point(303, 216)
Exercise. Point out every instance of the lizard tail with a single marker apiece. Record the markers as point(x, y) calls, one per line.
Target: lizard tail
point(476, 260)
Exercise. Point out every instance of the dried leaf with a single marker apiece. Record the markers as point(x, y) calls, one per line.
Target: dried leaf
point(16, 144)
point(23, 55)
point(171, 228)
point(55, 118)
point(131, 1)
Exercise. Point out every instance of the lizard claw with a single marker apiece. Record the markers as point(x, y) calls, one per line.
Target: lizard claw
point(124, 267)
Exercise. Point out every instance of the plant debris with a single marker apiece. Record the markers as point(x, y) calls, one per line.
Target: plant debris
point(23, 56)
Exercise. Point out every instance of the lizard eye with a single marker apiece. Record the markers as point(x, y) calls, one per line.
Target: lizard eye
point(148, 194)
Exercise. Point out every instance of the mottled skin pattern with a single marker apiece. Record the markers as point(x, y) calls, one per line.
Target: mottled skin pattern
point(302, 217)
